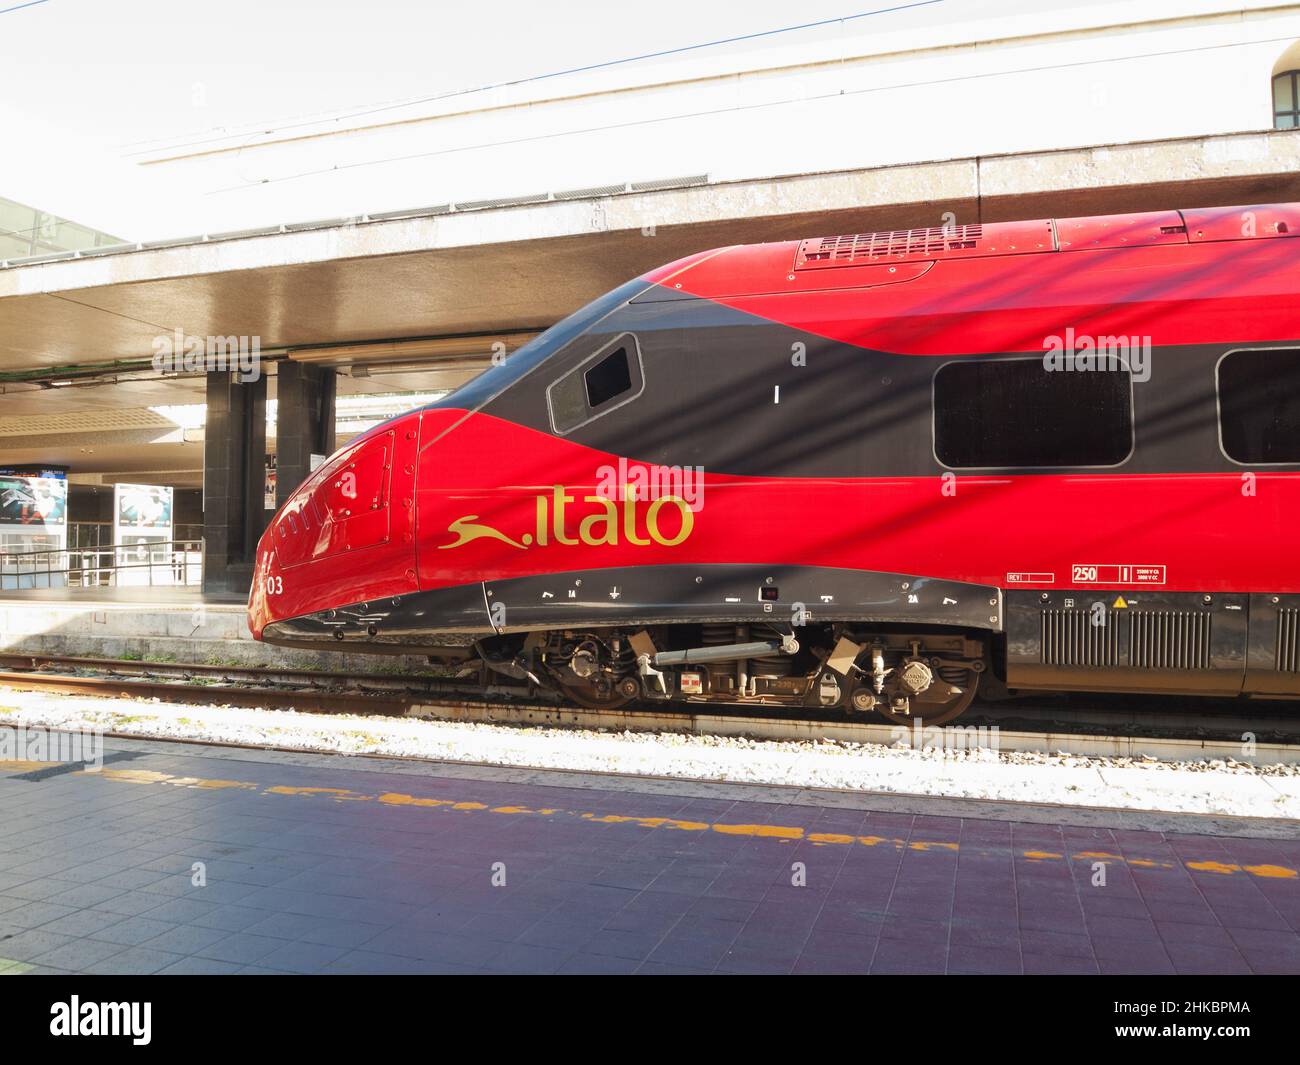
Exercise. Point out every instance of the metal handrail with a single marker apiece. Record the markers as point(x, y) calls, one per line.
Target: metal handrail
point(166, 555)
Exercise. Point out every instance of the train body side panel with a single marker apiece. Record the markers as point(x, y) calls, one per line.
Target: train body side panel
point(800, 424)
point(553, 513)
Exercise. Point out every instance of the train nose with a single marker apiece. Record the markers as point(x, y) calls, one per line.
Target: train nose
point(346, 534)
point(264, 566)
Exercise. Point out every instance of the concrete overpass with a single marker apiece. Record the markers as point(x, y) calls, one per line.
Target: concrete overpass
point(460, 270)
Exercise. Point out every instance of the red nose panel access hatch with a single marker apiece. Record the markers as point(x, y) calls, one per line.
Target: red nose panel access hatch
point(343, 507)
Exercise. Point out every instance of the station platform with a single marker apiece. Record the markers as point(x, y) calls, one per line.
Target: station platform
point(177, 858)
point(154, 624)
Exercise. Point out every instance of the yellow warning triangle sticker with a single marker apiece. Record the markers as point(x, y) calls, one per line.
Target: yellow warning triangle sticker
point(1119, 603)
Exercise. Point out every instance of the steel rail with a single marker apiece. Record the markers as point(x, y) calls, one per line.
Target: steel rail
point(442, 701)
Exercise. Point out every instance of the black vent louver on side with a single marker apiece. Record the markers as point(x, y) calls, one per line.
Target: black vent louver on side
point(1288, 640)
point(1071, 638)
point(1169, 639)
point(1145, 639)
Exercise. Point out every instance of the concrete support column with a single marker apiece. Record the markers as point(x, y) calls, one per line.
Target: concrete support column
point(234, 479)
point(304, 422)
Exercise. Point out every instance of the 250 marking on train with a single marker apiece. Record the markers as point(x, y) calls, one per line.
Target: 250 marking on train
point(1087, 573)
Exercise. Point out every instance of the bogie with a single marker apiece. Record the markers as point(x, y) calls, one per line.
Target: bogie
point(899, 676)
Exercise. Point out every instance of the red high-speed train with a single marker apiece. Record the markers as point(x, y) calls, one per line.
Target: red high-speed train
point(873, 472)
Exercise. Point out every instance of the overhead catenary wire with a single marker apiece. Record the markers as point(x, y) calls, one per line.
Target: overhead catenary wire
point(587, 68)
point(735, 109)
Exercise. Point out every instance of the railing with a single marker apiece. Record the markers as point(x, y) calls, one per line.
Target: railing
point(86, 535)
point(160, 563)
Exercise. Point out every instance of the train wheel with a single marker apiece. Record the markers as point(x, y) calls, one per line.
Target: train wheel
point(936, 713)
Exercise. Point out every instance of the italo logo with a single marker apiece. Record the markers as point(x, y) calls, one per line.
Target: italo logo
point(563, 518)
point(103, 1018)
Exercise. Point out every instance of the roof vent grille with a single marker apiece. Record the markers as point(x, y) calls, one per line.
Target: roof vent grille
point(855, 248)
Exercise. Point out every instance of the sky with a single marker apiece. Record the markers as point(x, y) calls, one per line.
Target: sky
point(83, 82)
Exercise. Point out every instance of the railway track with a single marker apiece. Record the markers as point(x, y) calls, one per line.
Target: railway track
point(1129, 726)
point(304, 690)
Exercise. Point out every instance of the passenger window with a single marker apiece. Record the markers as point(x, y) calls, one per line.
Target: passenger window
point(1016, 413)
point(606, 380)
point(1259, 405)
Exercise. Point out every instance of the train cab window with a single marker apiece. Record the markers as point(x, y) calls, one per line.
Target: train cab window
point(608, 379)
point(1259, 405)
point(1016, 413)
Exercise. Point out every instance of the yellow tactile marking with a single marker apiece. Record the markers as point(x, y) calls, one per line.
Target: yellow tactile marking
point(9, 967)
point(146, 776)
point(780, 833)
point(1279, 872)
point(341, 794)
point(20, 765)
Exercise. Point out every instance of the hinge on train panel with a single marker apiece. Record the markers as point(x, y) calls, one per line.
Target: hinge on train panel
point(496, 612)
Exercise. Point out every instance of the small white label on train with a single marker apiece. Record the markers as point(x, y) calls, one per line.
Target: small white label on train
point(692, 684)
point(1031, 578)
point(1086, 573)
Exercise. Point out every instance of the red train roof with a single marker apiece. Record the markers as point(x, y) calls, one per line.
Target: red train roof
point(862, 259)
